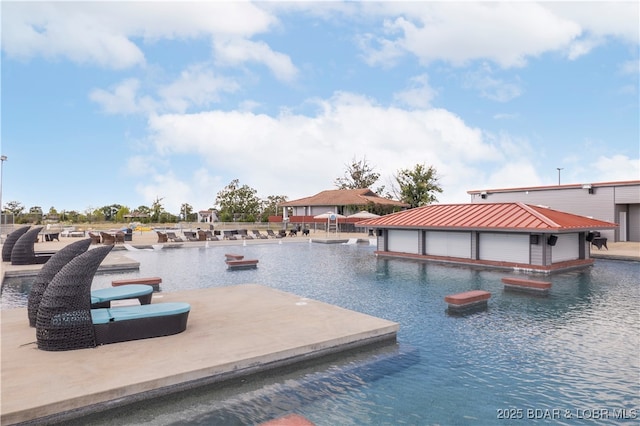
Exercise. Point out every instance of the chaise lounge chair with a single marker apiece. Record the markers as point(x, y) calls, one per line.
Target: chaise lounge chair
point(273, 234)
point(244, 234)
point(190, 235)
point(259, 235)
point(230, 235)
point(108, 238)
point(99, 298)
point(65, 320)
point(10, 241)
point(173, 237)
point(95, 238)
point(23, 252)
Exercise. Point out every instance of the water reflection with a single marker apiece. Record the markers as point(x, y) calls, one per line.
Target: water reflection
point(574, 349)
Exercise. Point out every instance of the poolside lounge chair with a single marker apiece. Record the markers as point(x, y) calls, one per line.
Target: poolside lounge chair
point(95, 238)
point(48, 271)
point(242, 233)
point(206, 236)
point(259, 235)
point(66, 321)
point(103, 297)
point(99, 298)
point(273, 234)
point(173, 237)
point(10, 241)
point(119, 237)
point(211, 236)
point(190, 235)
point(23, 252)
point(162, 237)
point(229, 235)
point(107, 238)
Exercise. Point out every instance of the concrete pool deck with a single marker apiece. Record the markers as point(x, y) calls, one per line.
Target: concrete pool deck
point(232, 331)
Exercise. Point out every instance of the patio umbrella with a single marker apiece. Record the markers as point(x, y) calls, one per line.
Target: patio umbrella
point(363, 215)
point(329, 215)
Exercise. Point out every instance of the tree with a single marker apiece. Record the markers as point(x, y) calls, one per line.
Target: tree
point(359, 174)
point(417, 186)
point(270, 206)
point(156, 209)
point(14, 207)
point(238, 202)
point(111, 212)
point(186, 211)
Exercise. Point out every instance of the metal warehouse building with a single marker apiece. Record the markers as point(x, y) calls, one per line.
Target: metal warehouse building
point(617, 202)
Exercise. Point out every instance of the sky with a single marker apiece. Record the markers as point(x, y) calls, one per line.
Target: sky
point(131, 102)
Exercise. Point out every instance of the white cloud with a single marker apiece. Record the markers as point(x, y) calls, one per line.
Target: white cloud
point(419, 94)
point(197, 86)
point(506, 33)
point(630, 67)
point(236, 51)
point(299, 155)
point(123, 98)
point(102, 33)
point(490, 87)
point(617, 168)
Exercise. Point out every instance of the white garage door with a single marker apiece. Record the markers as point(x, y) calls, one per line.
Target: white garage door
point(566, 248)
point(452, 244)
point(504, 247)
point(403, 241)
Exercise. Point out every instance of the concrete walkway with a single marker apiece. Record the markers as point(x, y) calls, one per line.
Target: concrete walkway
point(232, 331)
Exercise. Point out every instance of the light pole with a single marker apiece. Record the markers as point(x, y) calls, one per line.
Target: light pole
point(559, 168)
point(3, 158)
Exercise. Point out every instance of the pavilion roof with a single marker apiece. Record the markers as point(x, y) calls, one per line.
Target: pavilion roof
point(344, 197)
point(488, 216)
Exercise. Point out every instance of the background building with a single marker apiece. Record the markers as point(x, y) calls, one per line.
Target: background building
point(617, 202)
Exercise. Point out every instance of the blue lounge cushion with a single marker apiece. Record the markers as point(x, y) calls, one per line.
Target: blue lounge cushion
point(126, 313)
point(130, 291)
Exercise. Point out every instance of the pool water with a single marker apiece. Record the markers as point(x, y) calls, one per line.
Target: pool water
point(567, 358)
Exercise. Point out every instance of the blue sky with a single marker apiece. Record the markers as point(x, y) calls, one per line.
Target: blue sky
point(123, 102)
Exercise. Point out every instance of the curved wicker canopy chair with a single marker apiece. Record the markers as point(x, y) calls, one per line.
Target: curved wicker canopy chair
point(66, 321)
point(48, 271)
point(10, 241)
point(23, 252)
point(101, 298)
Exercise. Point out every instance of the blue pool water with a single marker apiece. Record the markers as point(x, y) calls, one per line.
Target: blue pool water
point(566, 358)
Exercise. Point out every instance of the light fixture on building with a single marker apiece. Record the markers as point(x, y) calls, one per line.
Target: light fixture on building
point(588, 187)
point(483, 195)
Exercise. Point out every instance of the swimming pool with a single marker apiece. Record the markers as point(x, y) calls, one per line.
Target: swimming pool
point(561, 359)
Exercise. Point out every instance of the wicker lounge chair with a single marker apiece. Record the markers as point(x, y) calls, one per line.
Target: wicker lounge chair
point(95, 238)
point(173, 237)
point(190, 235)
point(103, 297)
point(119, 237)
point(10, 241)
point(99, 298)
point(162, 237)
point(65, 320)
point(48, 271)
point(23, 252)
point(108, 238)
point(211, 236)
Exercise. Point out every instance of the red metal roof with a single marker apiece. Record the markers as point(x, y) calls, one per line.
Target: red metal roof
point(344, 197)
point(497, 216)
